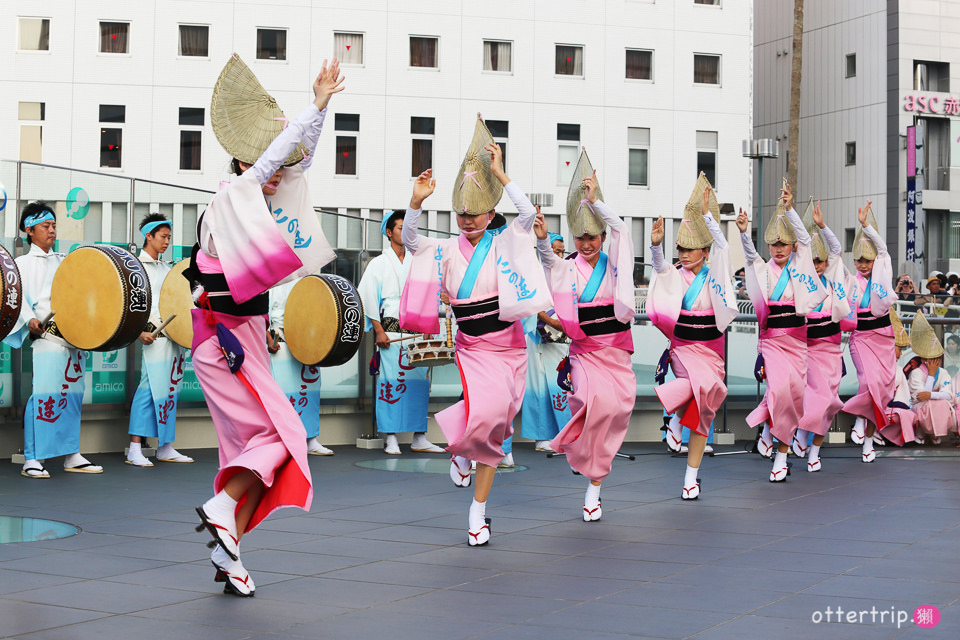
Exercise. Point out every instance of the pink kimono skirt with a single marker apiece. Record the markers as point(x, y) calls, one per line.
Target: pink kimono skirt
point(873, 355)
point(784, 354)
point(260, 432)
point(698, 388)
point(821, 401)
point(936, 417)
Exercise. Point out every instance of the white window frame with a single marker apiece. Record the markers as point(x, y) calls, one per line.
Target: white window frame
point(363, 54)
point(129, 24)
point(112, 125)
point(437, 61)
point(347, 133)
point(192, 24)
point(583, 61)
point(497, 72)
point(719, 82)
point(22, 122)
point(653, 58)
point(640, 147)
point(256, 46)
point(20, 48)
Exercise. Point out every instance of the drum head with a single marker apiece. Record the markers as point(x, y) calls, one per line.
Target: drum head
point(310, 320)
point(176, 298)
point(88, 298)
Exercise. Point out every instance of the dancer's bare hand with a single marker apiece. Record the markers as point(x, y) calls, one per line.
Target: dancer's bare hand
point(786, 194)
point(705, 204)
point(862, 214)
point(591, 188)
point(496, 163)
point(656, 234)
point(146, 338)
point(423, 186)
point(540, 227)
point(818, 216)
point(742, 222)
point(327, 83)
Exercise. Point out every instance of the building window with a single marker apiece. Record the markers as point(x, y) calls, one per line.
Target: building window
point(191, 133)
point(707, 155)
point(500, 130)
point(849, 235)
point(423, 52)
point(714, 3)
point(348, 47)
point(422, 130)
point(568, 151)
point(851, 154)
point(569, 60)
point(31, 116)
point(111, 138)
point(639, 64)
point(346, 144)
point(497, 56)
point(931, 76)
point(706, 69)
point(114, 37)
point(34, 34)
point(638, 144)
point(851, 65)
point(194, 41)
point(271, 44)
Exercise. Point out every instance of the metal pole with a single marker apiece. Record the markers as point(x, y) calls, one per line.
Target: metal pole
point(760, 208)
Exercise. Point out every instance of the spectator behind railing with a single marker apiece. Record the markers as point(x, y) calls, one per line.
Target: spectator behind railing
point(905, 289)
point(939, 302)
point(951, 356)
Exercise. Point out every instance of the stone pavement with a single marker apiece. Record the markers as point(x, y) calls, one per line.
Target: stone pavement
point(383, 554)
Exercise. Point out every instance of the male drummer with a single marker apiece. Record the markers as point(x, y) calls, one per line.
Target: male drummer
point(153, 413)
point(300, 382)
point(402, 391)
point(51, 419)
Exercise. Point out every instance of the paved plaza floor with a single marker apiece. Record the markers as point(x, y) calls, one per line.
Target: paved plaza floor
point(383, 554)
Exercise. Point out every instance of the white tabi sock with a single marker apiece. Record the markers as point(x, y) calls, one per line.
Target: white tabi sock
point(134, 446)
point(463, 464)
point(478, 511)
point(814, 453)
point(592, 497)
point(867, 445)
point(780, 461)
point(690, 477)
point(675, 425)
point(765, 434)
point(222, 509)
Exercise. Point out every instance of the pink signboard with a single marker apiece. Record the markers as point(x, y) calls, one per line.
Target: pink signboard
point(911, 152)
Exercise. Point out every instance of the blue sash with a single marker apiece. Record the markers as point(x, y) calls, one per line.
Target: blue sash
point(695, 288)
point(865, 303)
point(820, 306)
point(473, 269)
point(781, 283)
point(593, 284)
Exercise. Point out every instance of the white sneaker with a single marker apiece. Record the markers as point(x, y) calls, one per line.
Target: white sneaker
point(544, 445)
point(507, 462)
point(393, 447)
point(314, 448)
point(137, 459)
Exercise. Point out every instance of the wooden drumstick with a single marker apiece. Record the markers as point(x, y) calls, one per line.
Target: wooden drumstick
point(416, 335)
point(164, 325)
point(46, 321)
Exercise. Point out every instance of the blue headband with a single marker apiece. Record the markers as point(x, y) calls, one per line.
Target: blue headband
point(554, 237)
point(383, 225)
point(150, 226)
point(37, 218)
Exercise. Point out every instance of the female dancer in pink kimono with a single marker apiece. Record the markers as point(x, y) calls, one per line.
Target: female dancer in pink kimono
point(693, 306)
point(872, 342)
point(934, 400)
point(821, 401)
point(594, 300)
point(783, 292)
point(242, 252)
point(493, 282)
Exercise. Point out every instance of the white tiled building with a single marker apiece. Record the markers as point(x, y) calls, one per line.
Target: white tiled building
point(551, 75)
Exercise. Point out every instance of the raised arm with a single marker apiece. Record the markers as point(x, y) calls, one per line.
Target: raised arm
point(718, 238)
point(656, 246)
point(423, 186)
point(749, 251)
point(869, 231)
point(547, 257)
point(803, 237)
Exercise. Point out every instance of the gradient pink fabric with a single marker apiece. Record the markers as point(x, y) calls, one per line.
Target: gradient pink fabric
point(821, 399)
point(785, 362)
point(873, 356)
point(604, 387)
point(698, 388)
point(261, 433)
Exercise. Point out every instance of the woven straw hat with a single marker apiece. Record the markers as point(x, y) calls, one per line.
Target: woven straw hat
point(924, 340)
point(863, 246)
point(779, 228)
point(580, 217)
point(817, 245)
point(900, 335)
point(245, 118)
point(475, 189)
point(694, 233)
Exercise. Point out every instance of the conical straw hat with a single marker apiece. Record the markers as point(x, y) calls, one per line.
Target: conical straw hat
point(863, 246)
point(900, 335)
point(817, 245)
point(580, 216)
point(694, 233)
point(924, 340)
point(475, 189)
point(779, 228)
point(245, 118)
